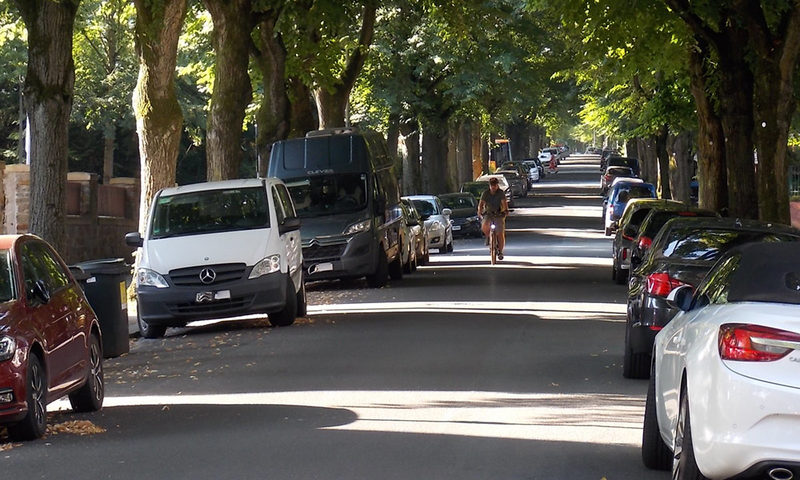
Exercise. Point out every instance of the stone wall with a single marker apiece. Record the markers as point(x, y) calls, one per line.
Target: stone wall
point(97, 216)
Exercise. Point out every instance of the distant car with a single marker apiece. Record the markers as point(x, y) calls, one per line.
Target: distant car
point(723, 400)
point(50, 341)
point(408, 240)
point(437, 221)
point(682, 253)
point(632, 163)
point(626, 228)
point(618, 198)
point(519, 184)
point(535, 163)
point(611, 173)
point(504, 186)
point(605, 155)
point(530, 175)
point(417, 226)
point(544, 158)
point(464, 216)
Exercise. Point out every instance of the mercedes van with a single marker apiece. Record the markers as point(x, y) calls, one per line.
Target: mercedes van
point(219, 249)
point(346, 193)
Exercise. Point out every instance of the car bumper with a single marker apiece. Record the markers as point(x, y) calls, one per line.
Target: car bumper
point(742, 426)
point(176, 306)
point(653, 315)
point(437, 238)
point(466, 229)
point(12, 381)
point(351, 257)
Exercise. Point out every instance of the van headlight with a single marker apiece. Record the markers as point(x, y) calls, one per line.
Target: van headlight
point(150, 278)
point(266, 265)
point(7, 348)
point(362, 226)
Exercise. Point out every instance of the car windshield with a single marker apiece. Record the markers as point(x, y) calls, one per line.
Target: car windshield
point(476, 189)
point(210, 211)
point(426, 208)
point(6, 277)
point(329, 195)
point(708, 245)
point(460, 201)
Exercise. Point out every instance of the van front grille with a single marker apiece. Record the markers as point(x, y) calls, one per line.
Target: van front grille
point(221, 273)
point(324, 252)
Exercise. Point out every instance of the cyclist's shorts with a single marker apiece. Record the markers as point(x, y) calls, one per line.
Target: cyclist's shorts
point(500, 222)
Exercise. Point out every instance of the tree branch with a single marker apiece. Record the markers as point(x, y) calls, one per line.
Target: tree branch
point(700, 27)
point(359, 55)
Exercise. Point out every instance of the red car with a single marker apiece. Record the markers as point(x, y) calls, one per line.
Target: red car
point(50, 343)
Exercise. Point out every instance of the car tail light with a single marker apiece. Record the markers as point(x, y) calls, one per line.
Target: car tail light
point(755, 343)
point(660, 284)
point(645, 242)
point(624, 253)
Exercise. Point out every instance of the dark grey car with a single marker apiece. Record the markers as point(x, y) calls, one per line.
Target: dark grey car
point(682, 253)
point(464, 216)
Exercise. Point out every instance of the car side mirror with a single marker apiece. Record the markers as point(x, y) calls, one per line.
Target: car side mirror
point(289, 224)
point(380, 206)
point(134, 239)
point(447, 212)
point(39, 292)
point(636, 260)
point(614, 226)
point(681, 298)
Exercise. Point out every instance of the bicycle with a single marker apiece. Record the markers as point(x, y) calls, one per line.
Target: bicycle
point(494, 243)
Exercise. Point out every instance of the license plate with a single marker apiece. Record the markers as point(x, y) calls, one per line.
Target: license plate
point(456, 227)
point(321, 267)
point(207, 297)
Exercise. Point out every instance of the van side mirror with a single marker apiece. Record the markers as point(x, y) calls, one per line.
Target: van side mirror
point(134, 239)
point(289, 224)
point(681, 298)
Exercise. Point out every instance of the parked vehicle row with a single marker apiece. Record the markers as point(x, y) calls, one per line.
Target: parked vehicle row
point(712, 309)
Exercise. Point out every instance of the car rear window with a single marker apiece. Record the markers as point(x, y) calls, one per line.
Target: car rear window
point(707, 245)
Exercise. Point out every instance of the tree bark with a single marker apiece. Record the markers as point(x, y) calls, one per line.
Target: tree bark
point(332, 102)
point(517, 133)
point(464, 152)
point(663, 162)
point(301, 110)
point(434, 155)
point(232, 91)
point(273, 116)
point(712, 175)
point(48, 94)
point(158, 115)
point(109, 142)
point(412, 179)
point(648, 160)
point(681, 174)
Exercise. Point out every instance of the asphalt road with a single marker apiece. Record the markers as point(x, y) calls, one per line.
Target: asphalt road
point(462, 370)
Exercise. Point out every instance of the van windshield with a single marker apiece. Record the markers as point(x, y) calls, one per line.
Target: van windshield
point(329, 195)
point(210, 211)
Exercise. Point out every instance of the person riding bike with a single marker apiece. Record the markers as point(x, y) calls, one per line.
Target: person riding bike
point(494, 207)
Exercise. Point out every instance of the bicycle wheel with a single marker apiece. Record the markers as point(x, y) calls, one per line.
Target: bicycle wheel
point(493, 246)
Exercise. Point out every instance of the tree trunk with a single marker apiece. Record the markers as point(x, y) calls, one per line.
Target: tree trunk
point(301, 112)
point(109, 141)
point(681, 174)
point(332, 101)
point(517, 133)
point(272, 118)
point(392, 139)
point(48, 95)
point(476, 158)
point(434, 155)
point(464, 153)
point(648, 160)
point(412, 179)
point(232, 90)
point(712, 175)
point(663, 162)
point(158, 115)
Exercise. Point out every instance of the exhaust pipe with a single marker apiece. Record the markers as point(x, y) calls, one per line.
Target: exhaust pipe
point(780, 473)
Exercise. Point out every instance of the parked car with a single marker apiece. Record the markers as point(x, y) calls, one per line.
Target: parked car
point(610, 174)
point(437, 221)
point(682, 253)
point(632, 163)
point(544, 158)
point(420, 232)
point(408, 240)
point(464, 216)
point(221, 249)
point(605, 155)
point(530, 175)
point(50, 340)
point(537, 164)
point(504, 185)
point(518, 183)
point(724, 395)
point(626, 228)
point(618, 197)
point(652, 224)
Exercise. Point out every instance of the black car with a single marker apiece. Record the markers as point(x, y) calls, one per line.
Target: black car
point(629, 162)
point(464, 216)
point(682, 253)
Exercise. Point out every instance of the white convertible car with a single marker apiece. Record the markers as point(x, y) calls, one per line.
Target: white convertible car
point(724, 396)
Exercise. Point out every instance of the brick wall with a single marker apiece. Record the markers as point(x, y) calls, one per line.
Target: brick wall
point(97, 216)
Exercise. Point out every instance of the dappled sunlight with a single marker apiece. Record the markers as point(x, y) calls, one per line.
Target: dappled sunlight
point(581, 418)
point(607, 312)
point(515, 261)
point(563, 232)
point(565, 211)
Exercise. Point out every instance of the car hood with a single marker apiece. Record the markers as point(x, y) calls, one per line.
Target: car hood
point(243, 246)
point(463, 213)
point(328, 225)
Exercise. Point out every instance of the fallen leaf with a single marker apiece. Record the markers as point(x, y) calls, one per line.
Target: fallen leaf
point(75, 427)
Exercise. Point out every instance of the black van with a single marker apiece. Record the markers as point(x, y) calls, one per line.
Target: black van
point(345, 191)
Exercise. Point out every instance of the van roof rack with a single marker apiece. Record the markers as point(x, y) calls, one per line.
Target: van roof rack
point(332, 131)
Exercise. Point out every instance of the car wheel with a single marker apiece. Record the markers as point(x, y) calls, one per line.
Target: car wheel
point(34, 424)
point(381, 275)
point(684, 464)
point(149, 331)
point(634, 365)
point(288, 313)
point(396, 267)
point(302, 300)
point(614, 271)
point(89, 398)
point(655, 453)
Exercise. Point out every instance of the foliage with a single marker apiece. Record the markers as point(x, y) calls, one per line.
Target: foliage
point(14, 57)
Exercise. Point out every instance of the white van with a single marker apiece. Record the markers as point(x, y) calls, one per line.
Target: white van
point(219, 249)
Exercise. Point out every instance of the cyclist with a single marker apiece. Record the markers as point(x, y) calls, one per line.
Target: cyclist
point(493, 206)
